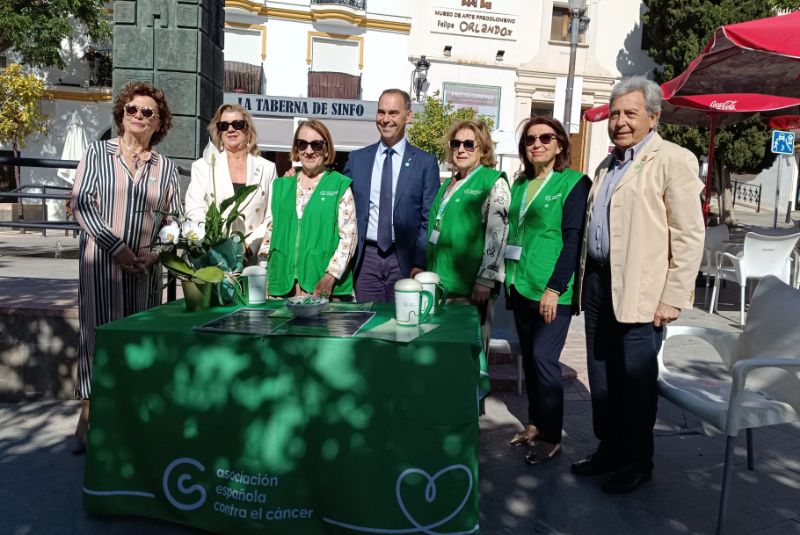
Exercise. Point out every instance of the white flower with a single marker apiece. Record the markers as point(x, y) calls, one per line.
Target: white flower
point(169, 234)
point(193, 232)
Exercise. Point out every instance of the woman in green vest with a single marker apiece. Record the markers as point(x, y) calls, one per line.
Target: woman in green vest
point(468, 223)
point(311, 227)
point(546, 218)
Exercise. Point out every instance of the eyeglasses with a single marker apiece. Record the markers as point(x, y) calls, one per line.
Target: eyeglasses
point(469, 144)
point(147, 113)
point(222, 126)
point(546, 139)
point(316, 145)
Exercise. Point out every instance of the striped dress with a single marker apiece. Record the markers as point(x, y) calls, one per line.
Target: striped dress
point(114, 208)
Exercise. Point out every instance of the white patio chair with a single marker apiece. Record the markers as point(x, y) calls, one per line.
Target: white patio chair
point(505, 339)
point(715, 241)
point(761, 256)
point(764, 364)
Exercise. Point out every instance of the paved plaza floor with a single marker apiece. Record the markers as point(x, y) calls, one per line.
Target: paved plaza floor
point(41, 481)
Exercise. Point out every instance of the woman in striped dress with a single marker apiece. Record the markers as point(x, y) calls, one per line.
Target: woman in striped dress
point(118, 186)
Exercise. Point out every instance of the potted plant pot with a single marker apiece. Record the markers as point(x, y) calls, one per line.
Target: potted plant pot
point(197, 296)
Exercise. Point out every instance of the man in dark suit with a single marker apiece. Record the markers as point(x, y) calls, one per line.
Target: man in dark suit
point(394, 184)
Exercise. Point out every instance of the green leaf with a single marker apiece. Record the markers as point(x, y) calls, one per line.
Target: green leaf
point(175, 264)
point(210, 274)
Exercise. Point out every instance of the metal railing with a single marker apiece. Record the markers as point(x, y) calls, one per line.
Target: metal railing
point(355, 4)
point(747, 194)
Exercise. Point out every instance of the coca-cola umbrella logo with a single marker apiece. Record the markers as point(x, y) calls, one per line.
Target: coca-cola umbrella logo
point(728, 105)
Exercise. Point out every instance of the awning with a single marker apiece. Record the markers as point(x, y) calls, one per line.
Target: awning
point(275, 134)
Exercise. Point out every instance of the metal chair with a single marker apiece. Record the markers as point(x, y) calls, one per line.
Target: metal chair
point(505, 339)
point(764, 364)
point(761, 256)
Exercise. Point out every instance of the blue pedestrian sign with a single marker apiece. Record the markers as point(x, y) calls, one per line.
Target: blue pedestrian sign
point(782, 142)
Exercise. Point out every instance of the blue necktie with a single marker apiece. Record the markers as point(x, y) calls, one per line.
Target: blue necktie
point(385, 207)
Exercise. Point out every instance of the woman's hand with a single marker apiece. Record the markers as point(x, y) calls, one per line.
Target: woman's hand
point(548, 305)
point(147, 261)
point(325, 286)
point(480, 294)
point(127, 260)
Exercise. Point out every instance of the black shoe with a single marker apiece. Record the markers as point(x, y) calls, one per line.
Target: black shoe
point(595, 464)
point(626, 479)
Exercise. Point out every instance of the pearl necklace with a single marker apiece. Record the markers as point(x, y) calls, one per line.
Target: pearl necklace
point(136, 156)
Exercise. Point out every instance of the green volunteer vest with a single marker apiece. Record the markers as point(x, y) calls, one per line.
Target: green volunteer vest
point(301, 249)
point(539, 236)
point(457, 255)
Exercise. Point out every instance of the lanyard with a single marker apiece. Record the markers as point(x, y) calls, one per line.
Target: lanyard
point(524, 207)
point(446, 201)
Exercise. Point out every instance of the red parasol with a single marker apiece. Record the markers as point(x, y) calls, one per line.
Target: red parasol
point(785, 122)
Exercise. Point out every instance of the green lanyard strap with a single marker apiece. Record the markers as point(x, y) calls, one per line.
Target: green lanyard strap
point(446, 201)
point(525, 206)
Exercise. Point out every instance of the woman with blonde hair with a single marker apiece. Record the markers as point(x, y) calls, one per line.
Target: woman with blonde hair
point(236, 162)
point(468, 223)
point(311, 231)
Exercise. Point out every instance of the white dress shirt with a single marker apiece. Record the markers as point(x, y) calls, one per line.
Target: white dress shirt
point(375, 186)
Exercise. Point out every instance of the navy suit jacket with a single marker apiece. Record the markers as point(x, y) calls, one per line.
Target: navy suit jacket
point(417, 186)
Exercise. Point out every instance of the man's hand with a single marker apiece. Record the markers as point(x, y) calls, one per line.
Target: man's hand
point(665, 314)
point(147, 261)
point(548, 305)
point(480, 294)
point(416, 271)
point(325, 286)
point(291, 172)
point(128, 261)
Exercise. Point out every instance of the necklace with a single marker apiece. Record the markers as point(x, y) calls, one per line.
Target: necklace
point(136, 156)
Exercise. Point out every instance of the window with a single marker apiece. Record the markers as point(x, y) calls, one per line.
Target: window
point(335, 55)
point(559, 27)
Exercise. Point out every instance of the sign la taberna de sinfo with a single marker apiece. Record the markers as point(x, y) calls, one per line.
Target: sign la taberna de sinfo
point(321, 108)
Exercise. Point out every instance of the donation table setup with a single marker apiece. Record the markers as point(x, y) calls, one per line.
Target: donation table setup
point(243, 420)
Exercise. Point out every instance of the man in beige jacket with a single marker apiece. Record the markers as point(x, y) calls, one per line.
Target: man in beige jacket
point(643, 243)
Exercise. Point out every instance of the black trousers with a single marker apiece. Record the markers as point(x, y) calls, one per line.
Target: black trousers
point(542, 344)
point(623, 374)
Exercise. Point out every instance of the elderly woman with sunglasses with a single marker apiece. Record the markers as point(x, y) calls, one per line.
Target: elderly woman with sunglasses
point(119, 186)
point(468, 226)
point(237, 162)
point(311, 230)
point(548, 205)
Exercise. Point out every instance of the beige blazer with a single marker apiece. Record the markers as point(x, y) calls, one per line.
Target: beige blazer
point(200, 194)
point(656, 230)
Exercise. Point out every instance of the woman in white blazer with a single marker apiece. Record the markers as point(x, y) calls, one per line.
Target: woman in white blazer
point(238, 162)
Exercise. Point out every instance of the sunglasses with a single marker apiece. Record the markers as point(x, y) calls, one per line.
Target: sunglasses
point(146, 112)
point(546, 139)
point(469, 144)
point(316, 145)
point(223, 126)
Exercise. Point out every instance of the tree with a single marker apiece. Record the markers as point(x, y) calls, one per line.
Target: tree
point(19, 112)
point(430, 126)
point(36, 28)
point(678, 30)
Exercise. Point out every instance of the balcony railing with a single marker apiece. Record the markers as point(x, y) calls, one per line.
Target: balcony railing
point(355, 4)
point(333, 85)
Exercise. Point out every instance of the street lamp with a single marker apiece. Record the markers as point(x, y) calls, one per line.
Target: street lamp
point(420, 76)
point(578, 23)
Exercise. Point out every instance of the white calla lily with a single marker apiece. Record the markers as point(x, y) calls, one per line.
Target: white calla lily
point(169, 234)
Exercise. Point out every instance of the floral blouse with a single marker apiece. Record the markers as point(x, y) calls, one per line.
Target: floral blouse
point(348, 233)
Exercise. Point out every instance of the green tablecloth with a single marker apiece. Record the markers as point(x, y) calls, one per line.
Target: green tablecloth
point(237, 434)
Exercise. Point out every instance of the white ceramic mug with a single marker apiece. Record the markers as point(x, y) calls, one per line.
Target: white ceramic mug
point(412, 303)
point(433, 284)
point(256, 291)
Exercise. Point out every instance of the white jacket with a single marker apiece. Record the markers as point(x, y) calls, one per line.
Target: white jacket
point(200, 194)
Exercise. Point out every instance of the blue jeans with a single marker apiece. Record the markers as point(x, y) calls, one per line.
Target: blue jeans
point(623, 374)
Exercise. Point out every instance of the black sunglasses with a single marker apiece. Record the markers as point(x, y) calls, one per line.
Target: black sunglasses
point(222, 126)
point(546, 139)
point(316, 145)
point(469, 144)
point(132, 109)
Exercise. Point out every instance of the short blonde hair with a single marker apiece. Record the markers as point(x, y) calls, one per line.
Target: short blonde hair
point(482, 136)
point(252, 137)
point(321, 129)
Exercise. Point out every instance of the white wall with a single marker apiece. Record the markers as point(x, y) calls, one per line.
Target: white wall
point(618, 37)
point(768, 180)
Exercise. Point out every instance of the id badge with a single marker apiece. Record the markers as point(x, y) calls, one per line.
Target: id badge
point(434, 237)
point(513, 252)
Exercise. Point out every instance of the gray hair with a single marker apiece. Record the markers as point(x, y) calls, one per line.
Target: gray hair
point(405, 95)
point(652, 93)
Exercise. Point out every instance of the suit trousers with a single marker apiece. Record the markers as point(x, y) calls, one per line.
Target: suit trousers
point(623, 373)
point(376, 276)
point(542, 344)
